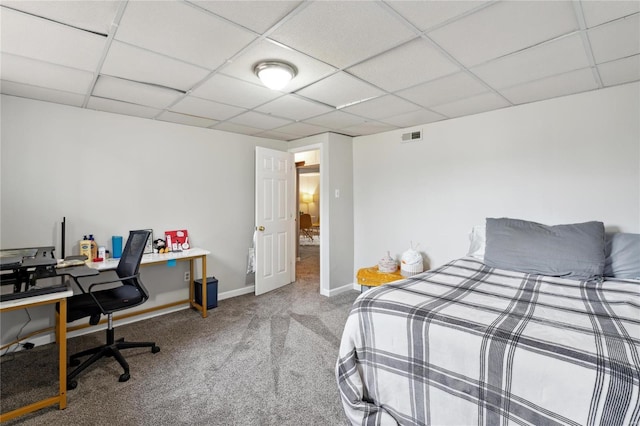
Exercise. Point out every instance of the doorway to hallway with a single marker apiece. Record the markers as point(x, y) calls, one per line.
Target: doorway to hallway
point(309, 230)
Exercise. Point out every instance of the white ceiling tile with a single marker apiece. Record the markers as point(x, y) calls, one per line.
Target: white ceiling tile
point(204, 108)
point(426, 14)
point(236, 92)
point(414, 118)
point(181, 31)
point(141, 65)
point(342, 33)
point(551, 87)
point(293, 107)
point(37, 38)
point(616, 39)
point(237, 128)
point(620, 71)
point(505, 27)
point(189, 120)
point(382, 107)
point(94, 16)
point(555, 57)
point(309, 69)
point(40, 93)
point(272, 134)
point(43, 74)
point(302, 129)
point(258, 16)
point(118, 107)
point(261, 121)
point(410, 64)
point(472, 105)
point(599, 12)
point(368, 128)
point(340, 89)
point(336, 120)
point(443, 90)
point(134, 92)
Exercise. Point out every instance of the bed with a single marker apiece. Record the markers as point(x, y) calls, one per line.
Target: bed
point(473, 343)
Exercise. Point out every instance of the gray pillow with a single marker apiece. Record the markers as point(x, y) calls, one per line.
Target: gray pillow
point(572, 251)
point(622, 255)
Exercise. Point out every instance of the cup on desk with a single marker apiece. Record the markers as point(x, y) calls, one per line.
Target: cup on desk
point(116, 242)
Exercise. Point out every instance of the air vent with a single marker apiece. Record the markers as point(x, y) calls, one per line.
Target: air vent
point(412, 136)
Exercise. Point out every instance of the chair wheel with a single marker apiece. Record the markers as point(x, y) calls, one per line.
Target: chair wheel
point(74, 362)
point(155, 349)
point(124, 377)
point(72, 385)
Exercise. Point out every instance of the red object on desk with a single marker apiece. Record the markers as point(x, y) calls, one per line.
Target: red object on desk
point(178, 237)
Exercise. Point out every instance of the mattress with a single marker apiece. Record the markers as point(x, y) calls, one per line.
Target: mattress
point(469, 344)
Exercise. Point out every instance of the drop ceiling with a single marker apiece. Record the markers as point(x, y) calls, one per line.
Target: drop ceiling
point(364, 67)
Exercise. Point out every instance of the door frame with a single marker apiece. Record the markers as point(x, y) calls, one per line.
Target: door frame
point(324, 218)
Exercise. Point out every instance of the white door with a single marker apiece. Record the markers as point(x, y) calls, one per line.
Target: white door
point(275, 219)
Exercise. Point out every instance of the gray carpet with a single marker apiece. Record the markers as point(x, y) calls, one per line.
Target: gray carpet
point(266, 360)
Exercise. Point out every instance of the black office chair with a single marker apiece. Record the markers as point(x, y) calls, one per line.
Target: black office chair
point(93, 303)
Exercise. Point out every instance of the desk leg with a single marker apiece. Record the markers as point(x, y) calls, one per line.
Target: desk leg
point(62, 352)
point(204, 287)
point(192, 296)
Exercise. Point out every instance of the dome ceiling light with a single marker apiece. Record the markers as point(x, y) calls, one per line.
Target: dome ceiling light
point(275, 75)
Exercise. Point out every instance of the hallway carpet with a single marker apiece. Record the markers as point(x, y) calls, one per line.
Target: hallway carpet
point(255, 360)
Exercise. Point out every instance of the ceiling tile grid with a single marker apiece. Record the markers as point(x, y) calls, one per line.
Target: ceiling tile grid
point(557, 85)
point(142, 65)
point(41, 93)
point(363, 67)
point(342, 33)
point(178, 30)
point(32, 37)
point(206, 108)
point(44, 74)
point(94, 16)
point(503, 28)
point(233, 91)
point(407, 65)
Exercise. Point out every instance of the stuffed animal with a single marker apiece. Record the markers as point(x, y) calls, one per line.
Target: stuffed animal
point(160, 246)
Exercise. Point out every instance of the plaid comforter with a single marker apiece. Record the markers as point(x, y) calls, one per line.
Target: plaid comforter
point(467, 344)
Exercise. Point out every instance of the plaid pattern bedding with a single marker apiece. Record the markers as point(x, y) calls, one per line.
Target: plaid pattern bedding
point(467, 344)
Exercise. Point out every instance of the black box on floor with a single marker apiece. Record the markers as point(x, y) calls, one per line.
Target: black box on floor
point(212, 292)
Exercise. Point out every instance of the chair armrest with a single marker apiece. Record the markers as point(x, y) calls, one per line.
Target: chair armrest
point(99, 283)
point(120, 279)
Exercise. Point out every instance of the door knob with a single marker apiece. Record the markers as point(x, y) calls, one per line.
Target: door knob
point(260, 228)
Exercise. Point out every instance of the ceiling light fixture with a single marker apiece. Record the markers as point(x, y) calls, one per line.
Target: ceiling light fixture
point(275, 75)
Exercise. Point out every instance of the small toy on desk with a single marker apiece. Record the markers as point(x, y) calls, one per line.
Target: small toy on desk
point(160, 246)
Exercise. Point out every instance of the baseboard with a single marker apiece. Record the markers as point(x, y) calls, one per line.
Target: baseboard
point(335, 291)
point(236, 293)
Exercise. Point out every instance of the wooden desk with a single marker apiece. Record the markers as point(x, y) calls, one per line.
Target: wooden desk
point(61, 339)
point(153, 259)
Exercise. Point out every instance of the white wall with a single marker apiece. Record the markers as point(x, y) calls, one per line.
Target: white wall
point(109, 174)
point(341, 209)
point(564, 160)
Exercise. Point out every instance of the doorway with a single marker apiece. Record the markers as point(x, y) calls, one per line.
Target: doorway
point(309, 216)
